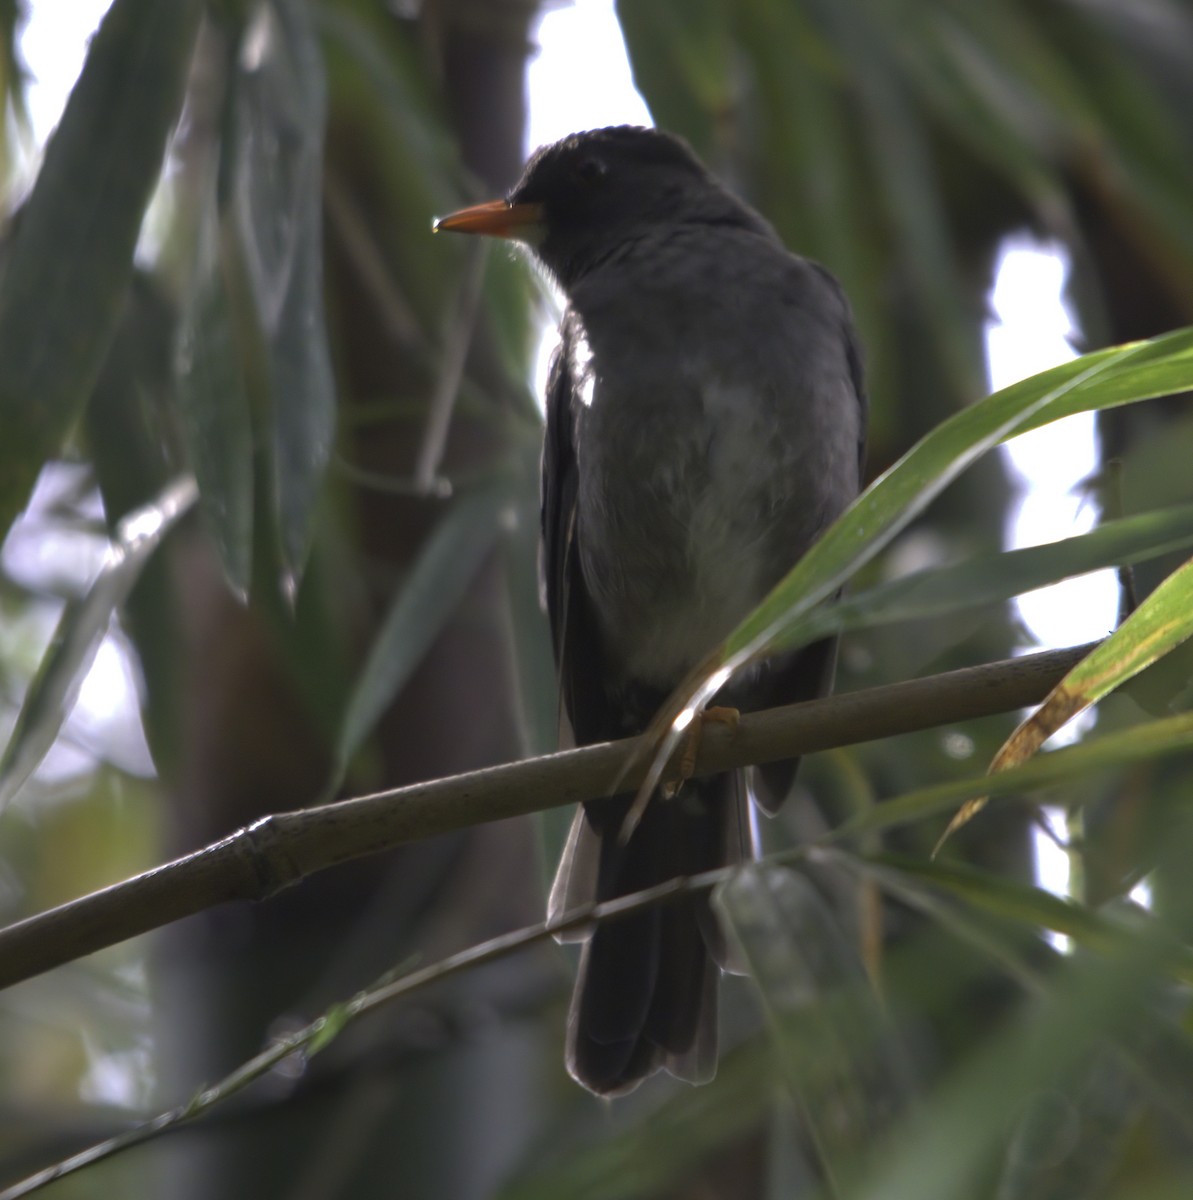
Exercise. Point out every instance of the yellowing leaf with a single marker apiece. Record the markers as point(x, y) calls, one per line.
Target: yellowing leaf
point(1160, 624)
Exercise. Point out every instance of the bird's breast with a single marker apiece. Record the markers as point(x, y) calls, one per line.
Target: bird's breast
point(688, 513)
point(716, 432)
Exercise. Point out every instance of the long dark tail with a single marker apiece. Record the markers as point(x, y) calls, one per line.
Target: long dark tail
point(646, 993)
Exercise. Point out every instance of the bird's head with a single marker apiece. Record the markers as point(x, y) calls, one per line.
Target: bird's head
point(580, 198)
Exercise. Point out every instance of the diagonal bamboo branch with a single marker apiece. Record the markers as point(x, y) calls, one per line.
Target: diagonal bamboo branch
point(277, 851)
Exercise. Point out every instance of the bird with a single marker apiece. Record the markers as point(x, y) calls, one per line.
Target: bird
point(705, 422)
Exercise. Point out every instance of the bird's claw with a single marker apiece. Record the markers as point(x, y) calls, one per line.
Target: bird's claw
point(719, 715)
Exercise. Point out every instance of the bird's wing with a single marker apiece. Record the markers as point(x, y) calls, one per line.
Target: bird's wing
point(854, 361)
point(575, 634)
point(808, 674)
point(558, 495)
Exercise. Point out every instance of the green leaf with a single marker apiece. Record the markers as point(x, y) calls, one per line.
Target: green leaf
point(132, 437)
point(1148, 1060)
point(1033, 906)
point(1140, 743)
point(446, 565)
point(1161, 623)
point(1161, 366)
point(81, 628)
point(832, 1043)
point(213, 403)
point(280, 114)
point(906, 185)
point(994, 578)
point(1171, 1184)
point(1142, 127)
point(681, 54)
point(71, 255)
point(386, 90)
point(943, 1149)
point(809, 170)
point(989, 77)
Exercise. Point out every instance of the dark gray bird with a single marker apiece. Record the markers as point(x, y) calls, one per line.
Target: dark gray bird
point(705, 422)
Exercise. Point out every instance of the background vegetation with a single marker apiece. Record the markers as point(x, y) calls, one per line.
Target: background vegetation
point(344, 601)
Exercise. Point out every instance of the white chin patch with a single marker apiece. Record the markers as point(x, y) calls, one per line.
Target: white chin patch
point(580, 365)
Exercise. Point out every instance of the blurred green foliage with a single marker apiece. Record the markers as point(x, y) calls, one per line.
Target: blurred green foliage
point(323, 621)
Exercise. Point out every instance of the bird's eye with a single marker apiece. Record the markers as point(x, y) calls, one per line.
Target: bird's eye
point(591, 170)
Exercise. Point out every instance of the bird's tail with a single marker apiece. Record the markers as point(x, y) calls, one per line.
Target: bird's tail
point(646, 993)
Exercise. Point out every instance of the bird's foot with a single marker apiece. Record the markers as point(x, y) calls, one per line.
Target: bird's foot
point(718, 715)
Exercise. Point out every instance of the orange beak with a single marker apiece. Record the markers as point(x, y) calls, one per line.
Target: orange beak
point(497, 218)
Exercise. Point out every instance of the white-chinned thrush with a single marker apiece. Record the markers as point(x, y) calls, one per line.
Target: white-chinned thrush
point(705, 421)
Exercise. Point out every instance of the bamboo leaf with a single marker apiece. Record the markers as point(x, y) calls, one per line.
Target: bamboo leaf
point(831, 1038)
point(1160, 624)
point(71, 255)
point(682, 61)
point(1033, 906)
point(994, 578)
point(280, 114)
point(213, 403)
point(81, 628)
point(943, 1149)
point(1140, 743)
point(445, 567)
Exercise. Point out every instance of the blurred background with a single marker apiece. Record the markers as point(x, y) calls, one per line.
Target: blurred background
point(351, 602)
